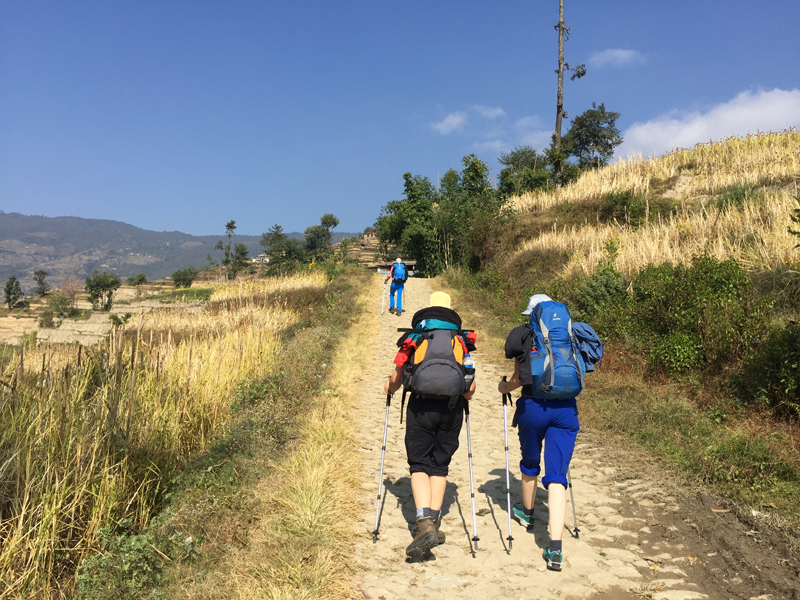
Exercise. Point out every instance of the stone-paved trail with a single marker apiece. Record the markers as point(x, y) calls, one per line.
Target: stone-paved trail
point(627, 547)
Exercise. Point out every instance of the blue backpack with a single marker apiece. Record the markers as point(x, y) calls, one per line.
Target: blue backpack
point(557, 363)
point(399, 275)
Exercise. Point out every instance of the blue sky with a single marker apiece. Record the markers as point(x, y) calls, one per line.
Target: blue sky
point(183, 115)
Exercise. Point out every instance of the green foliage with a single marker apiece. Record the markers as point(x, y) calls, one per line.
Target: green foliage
point(12, 292)
point(137, 280)
point(603, 291)
point(233, 260)
point(101, 288)
point(46, 319)
point(593, 137)
point(795, 218)
point(624, 207)
point(708, 303)
point(525, 170)
point(183, 278)
point(735, 196)
point(676, 352)
point(772, 377)
point(42, 287)
point(130, 563)
point(118, 320)
point(59, 304)
point(458, 224)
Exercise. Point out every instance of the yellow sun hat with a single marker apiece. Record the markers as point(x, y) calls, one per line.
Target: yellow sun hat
point(440, 299)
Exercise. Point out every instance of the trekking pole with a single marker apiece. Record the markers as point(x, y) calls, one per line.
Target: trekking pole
point(402, 404)
point(380, 477)
point(475, 537)
point(383, 298)
point(572, 501)
point(506, 400)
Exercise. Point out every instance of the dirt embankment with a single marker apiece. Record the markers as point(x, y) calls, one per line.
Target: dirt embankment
point(642, 535)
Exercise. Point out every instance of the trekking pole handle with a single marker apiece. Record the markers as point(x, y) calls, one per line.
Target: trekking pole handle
point(505, 396)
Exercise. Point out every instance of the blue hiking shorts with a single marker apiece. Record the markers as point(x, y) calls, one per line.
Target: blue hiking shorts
point(554, 422)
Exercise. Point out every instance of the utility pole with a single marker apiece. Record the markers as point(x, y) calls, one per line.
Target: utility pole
point(577, 73)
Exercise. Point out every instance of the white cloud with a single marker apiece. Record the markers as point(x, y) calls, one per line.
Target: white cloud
point(528, 123)
point(450, 123)
point(615, 57)
point(496, 146)
point(747, 113)
point(490, 112)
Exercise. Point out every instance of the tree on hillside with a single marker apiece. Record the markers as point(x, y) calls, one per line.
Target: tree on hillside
point(592, 137)
point(137, 280)
point(234, 260)
point(101, 288)
point(183, 278)
point(557, 155)
point(12, 292)
point(284, 252)
point(42, 287)
point(458, 224)
point(318, 237)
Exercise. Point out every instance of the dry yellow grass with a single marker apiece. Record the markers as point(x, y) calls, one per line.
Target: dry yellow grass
point(756, 235)
point(86, 446)
point(300, 549)
point(760, 160)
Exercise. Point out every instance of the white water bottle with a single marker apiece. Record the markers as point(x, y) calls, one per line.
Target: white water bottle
point(469, 367)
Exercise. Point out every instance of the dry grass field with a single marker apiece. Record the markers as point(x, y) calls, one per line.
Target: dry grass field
point(89, 437)
point(765, 166)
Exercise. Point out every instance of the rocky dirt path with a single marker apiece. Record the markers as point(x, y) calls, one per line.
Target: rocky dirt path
point(636, 540)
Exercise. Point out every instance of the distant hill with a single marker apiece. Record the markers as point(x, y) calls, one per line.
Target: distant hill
point(66, 246)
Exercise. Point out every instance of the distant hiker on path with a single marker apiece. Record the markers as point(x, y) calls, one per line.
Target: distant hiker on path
point(429, 365)
point(550, 364)
point(398, 273)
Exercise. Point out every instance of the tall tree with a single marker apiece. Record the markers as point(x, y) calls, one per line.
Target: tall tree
point(101, 288)
point(12, 291)
point(593, 136)
point(42, 287)
point(233, 260)
point(577, 73)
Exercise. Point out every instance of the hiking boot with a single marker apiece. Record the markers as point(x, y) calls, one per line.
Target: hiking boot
point(553, 559)
point(391, 309)
point(520, 517)
point(425, 538)
point(440, 535)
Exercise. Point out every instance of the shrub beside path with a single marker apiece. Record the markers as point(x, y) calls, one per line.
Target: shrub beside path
point(627, 547)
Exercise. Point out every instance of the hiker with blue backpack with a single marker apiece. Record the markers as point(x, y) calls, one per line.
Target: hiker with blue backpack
point(398, 273)
point(551, 358)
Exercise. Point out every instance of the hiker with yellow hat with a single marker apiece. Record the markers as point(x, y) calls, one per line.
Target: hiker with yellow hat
point(430, 364)
point(398, 273)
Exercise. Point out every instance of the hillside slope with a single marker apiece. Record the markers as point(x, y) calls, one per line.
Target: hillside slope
point(75, 246)
point(728, 199)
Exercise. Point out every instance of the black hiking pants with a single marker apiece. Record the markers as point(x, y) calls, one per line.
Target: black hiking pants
point(432, 431)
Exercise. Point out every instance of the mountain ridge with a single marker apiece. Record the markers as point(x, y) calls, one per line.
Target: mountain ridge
point(69, 245)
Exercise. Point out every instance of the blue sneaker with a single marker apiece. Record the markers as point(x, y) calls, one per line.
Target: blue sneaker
point(553, 559)
point(518, 514)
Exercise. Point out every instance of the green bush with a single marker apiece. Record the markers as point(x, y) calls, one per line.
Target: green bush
point(734, 196)
point(605, 288)
point(47, 320)
point(772, 377)
point(624, 207)
point(59, 304)
point(675, 353)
